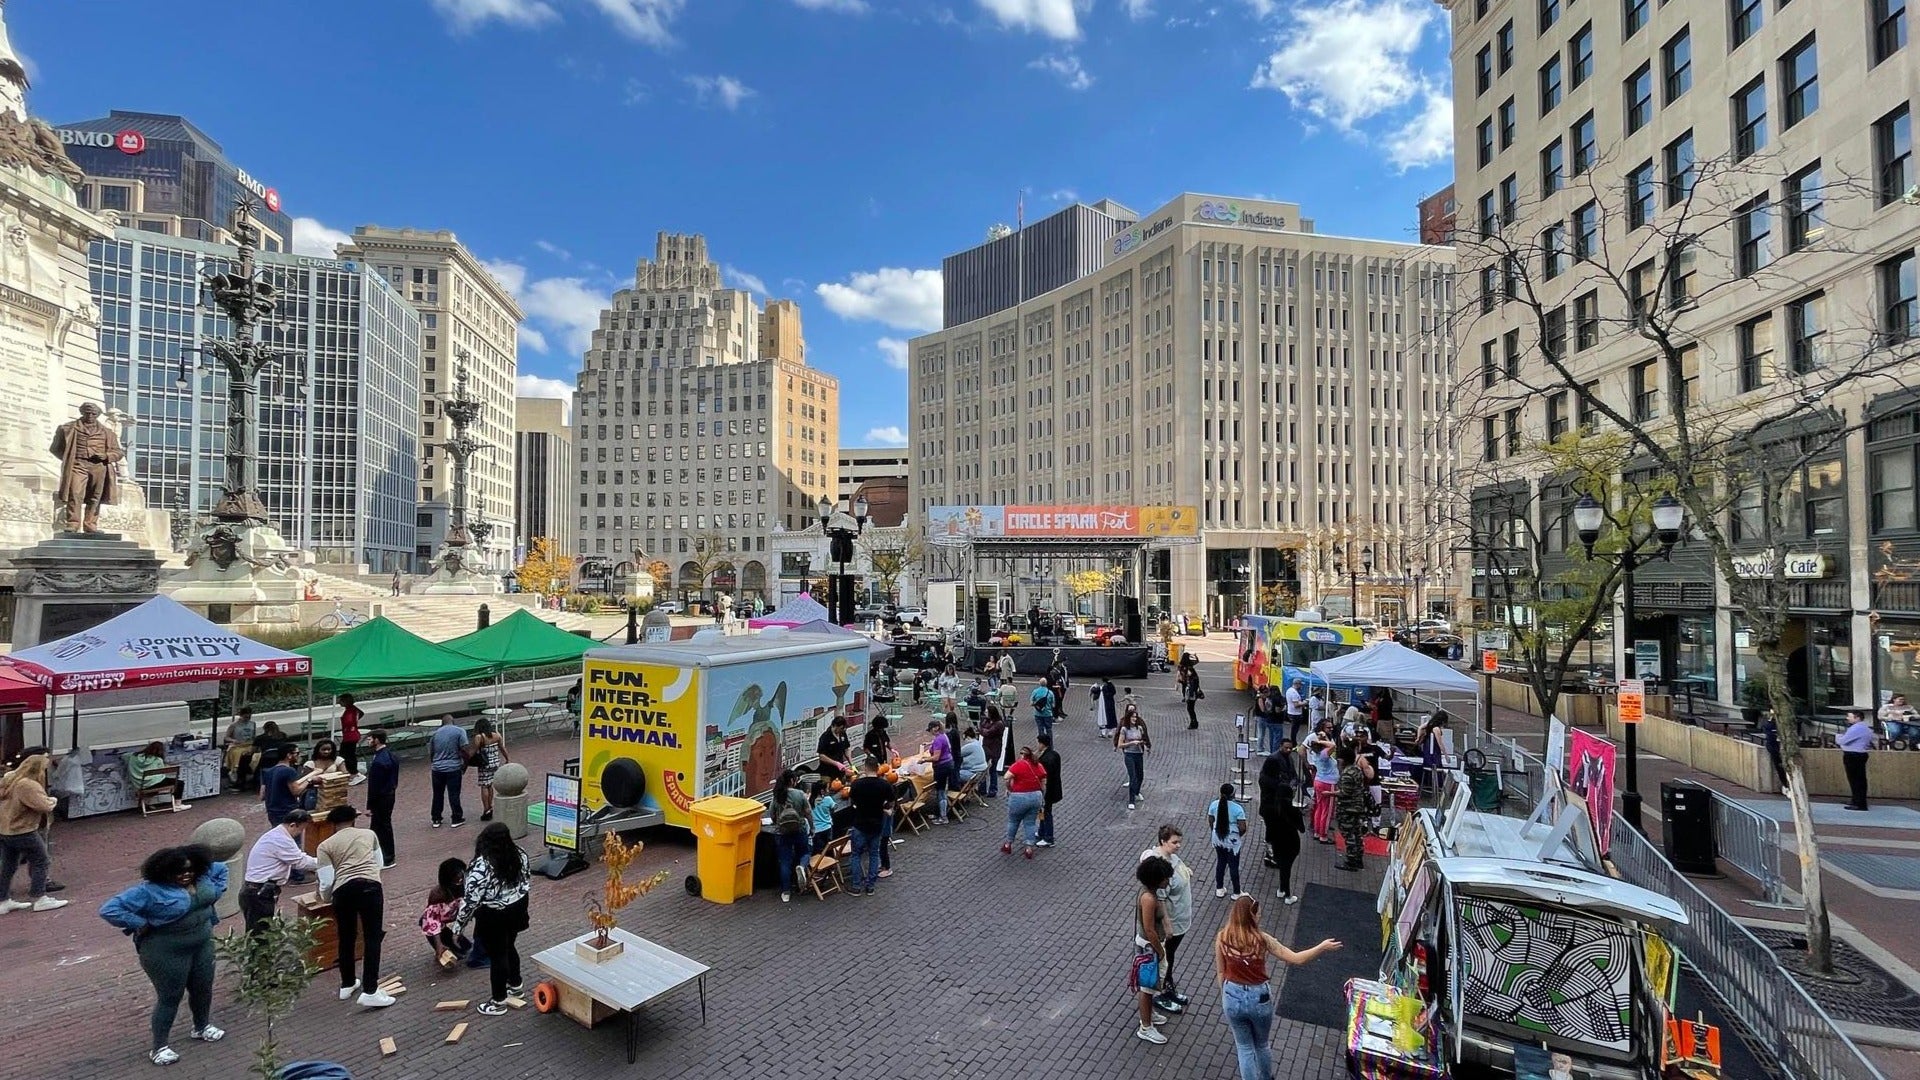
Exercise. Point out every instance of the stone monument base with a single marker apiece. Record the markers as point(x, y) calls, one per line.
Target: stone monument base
point(459, 572)
point(261, 584)
point(77, 581)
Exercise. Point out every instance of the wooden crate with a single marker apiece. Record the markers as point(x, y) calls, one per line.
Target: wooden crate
point(326, 940)
point(581, 1006)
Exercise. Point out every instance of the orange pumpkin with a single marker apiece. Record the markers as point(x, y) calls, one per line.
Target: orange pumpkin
point(838, 787)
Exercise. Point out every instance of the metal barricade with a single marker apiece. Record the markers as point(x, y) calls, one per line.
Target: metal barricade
point(1751, 842)
point(1780, 1022)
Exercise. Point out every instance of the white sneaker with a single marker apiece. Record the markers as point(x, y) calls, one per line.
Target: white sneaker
point(166, 1055)
point(48, 903)
point(1159, 1018)
point(1133, 806)
point(1291, 900)
point(375, 1000)
point(348, 991)
point(1147, 1034)
point(181, 808)
point(786, 898)
point(209, 1034)
point(357, 780)
point(1220, 893)
point(12, 905)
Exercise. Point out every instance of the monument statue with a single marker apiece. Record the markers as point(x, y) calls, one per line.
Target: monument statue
point(88, 451)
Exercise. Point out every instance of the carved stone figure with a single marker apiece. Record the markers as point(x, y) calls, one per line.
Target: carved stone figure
point(88, 451)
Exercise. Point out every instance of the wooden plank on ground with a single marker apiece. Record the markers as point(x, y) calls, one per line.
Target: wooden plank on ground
point(388, 1047)
point(459, 1029)
point(452, 1006)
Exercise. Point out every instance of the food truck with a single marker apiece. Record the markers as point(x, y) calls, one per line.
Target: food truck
point(1510, 953)
point(715, 715)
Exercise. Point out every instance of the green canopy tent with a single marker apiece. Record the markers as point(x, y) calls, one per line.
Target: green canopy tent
point(379, 653)
point(521, 640)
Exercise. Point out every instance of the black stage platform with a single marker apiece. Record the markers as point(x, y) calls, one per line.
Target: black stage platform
point(1118, 661)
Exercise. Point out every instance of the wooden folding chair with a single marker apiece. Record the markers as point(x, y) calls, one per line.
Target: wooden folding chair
point(913, 807)
point(158, 797)
point(968, 792)
point(827, 871)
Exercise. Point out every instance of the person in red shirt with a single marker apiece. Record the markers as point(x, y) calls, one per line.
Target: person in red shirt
point(350, 715)
point(1026, 785)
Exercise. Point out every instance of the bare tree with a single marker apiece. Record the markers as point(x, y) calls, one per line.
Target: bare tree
point(1675, 282)
point(890, 552)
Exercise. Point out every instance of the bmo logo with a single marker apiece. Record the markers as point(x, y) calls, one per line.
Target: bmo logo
point(128, 142)
point(272, 199)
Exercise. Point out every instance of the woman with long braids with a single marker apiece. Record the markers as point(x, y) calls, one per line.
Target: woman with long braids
point(496, 904)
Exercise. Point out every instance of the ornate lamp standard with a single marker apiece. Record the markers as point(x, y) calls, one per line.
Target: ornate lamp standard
point(462, 409)
point(1669, 521)
point(840, 605)
point(247, 300)
point(1353, 574)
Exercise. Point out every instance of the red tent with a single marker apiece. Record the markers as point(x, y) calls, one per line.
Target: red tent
point(19, 693)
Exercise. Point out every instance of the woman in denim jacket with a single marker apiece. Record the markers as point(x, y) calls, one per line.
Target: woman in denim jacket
point(170, 917)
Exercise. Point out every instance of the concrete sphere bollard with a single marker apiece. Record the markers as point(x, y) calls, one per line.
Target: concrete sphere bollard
point(224, 838)
point(510, 779)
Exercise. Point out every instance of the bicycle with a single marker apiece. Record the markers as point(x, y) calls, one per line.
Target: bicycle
point(340, 618)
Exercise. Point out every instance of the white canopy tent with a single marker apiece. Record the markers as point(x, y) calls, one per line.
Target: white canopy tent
point(1397, 667)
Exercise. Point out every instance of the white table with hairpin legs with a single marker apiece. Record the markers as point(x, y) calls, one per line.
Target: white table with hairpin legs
point(641, 972)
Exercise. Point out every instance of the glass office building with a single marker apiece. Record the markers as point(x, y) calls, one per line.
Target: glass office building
point(339, 415)
point(185, 173)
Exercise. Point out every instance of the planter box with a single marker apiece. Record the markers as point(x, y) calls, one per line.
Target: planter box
point(1578, 710)
point(1891, 774)
point(592, 954)
point(1742, 762)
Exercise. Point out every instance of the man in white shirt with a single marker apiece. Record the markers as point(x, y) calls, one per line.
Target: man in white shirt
point(1296, 708)
point(1316, 710)
point(274, 858)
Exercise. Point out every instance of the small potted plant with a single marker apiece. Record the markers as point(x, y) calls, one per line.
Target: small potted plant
point(1753, 701)
point(603, 908)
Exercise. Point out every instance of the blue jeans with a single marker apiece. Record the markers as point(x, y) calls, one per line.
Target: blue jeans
point(1136, 773)
point(1271, 731)
point(942, 783)
point(1043, 725)
point(1249, 1014)
point(1046, 822)
point(1022, 808)
point(793, 852)
point(866, 858)
point(1226, 861)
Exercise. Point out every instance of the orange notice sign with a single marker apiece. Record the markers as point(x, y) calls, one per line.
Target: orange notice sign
point(1633, 700)
point(1489, 661)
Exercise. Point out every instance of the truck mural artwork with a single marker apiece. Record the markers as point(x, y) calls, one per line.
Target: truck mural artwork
point(620, 709)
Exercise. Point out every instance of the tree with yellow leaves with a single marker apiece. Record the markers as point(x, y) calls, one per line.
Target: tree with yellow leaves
point(603, 908)
point(545, 569)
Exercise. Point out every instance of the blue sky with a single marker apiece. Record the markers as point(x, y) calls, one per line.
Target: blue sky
point(830, 150)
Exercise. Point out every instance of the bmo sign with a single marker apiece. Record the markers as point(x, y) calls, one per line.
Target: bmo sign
point(127, 142)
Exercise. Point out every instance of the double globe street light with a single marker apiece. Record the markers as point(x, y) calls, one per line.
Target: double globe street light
point(1669, 523)
point(840, 604)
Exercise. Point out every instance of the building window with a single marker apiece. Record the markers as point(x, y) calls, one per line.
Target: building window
point(1489, 441)
point(1806, 207)
point(1756, 353)
point(1549, 14)
point(1748, 518)
point(1676, 66)
point(1586, 230)
point(1681, 271)
point(1554, 341)
point(1510, 353)
point(1682, 169)
point(1754, 227)
point(1489, 288)
point(1806, 329)
point(1489, 216)
point(1580, 57)
point(1586, 320)
point(1550, 76)
point(1556, 416)
point(1893, 153)
point(1509, 199)
point(1800, 83)
point(1890, 479)
point(1633, 16)
point(1484, 142)
point(1646, 393)
point(1508, 118)
point(1587, 414)
point(1553, 250)
point(1639, 96)
point(1747, 16)
point(1483, 70)
point(1897, 297)
point(1489, 366)
point(1889, 28)
point(1750, 119)
point(1640, 201)
point(1640, 285)
point(1824, 498)
point(1513, 432)
point(1584, 149)
point(1553, 167)
point(1503, 46)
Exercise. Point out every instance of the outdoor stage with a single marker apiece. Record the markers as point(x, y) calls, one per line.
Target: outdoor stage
point(1117, 661)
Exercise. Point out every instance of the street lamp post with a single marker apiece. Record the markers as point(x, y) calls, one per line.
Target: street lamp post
point(247, 300)
point(1353, 580)
point(840, 606)
point(1669, 519)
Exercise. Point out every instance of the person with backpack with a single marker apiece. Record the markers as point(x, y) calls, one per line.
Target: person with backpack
point(1044, 703)
point(792, 833)
point(1229, 830)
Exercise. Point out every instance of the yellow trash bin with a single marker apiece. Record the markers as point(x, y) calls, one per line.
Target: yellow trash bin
point(1174, 650)
point(725, 829)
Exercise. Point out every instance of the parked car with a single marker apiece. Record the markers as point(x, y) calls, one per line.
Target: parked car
point(671, 607)
point(1431, 625)
point(912, 616)
point(870, 614)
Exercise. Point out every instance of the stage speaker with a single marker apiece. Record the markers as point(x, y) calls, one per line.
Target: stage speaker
point(982, 619)
point(1130, 619)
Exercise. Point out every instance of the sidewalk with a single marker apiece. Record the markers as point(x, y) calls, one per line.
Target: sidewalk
point(1863, 867)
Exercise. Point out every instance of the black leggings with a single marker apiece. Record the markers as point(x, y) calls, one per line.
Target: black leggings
point(496, 929)
point(1191, 719)
point(359, 911)
point(350, 753)
point(1172, 945)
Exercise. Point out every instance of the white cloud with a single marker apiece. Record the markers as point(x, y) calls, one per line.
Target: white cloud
point(722, 90)
point(1348, 60)
point(891, 435)
point(894, 352)
point(1054, 18)
point(1066, 67)
point(643, 20)
point(468, 15)
point(900, 298)
point(1262, 8)
point(310, 237)
point(554, 250)
point(849, 7)
point(740, 279)
point(511, 276)
point(535, 386)
point(1427, 139)
point(1064, 195)
point(567, 305)
point(1137, 9)
point(532, 339)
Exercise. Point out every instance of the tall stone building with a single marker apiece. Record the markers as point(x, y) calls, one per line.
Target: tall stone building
point(1220, 354)
point(693, 446)
point(468, 321)
point(780, 337)
point(543, 472)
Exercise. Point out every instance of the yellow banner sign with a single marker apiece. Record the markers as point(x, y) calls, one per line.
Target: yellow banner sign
point(650, 714)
